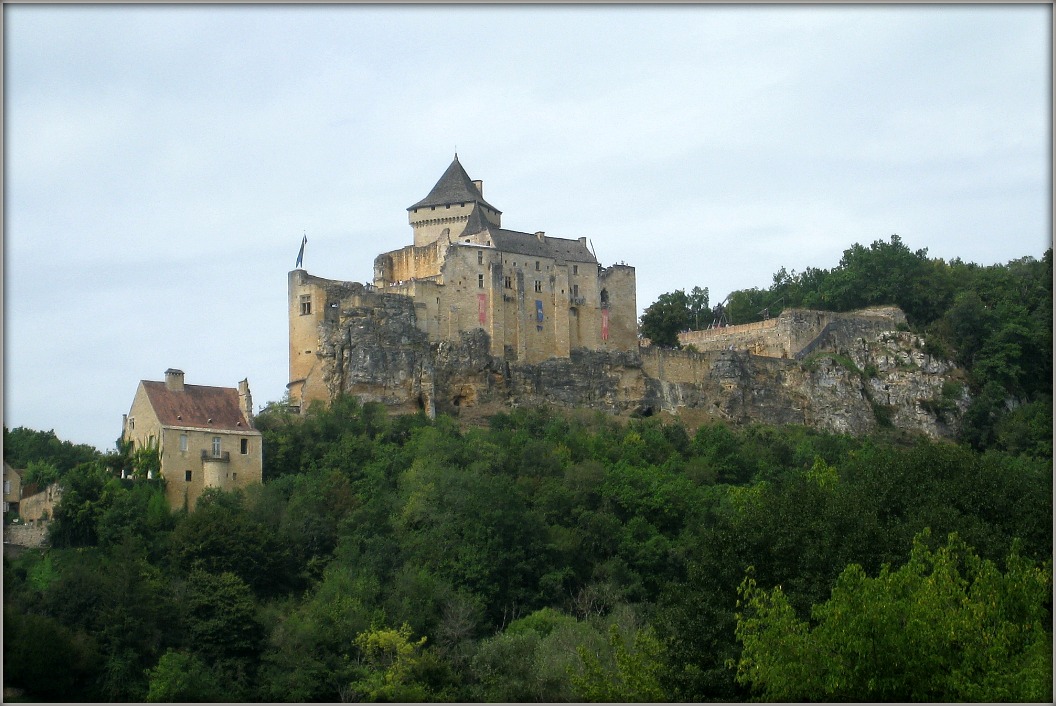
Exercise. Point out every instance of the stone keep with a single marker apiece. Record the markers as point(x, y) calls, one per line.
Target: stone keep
point(536, 297)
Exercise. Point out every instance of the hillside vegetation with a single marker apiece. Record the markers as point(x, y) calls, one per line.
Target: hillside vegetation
point(560, 555)
point(546, 556)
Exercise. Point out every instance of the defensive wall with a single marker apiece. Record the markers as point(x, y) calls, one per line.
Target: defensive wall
point(796, 333)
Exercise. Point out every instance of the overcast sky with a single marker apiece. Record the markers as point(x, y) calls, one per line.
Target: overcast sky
point(162, 163)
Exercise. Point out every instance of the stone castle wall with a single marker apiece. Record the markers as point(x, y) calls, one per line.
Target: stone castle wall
point(796, 332)
point(29, 534)
point(373, 346)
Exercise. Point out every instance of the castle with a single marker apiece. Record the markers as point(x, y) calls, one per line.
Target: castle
point(535, 296)
point(472, 315)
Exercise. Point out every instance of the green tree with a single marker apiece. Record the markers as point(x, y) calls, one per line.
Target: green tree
point(40, 473)
point(182, 676)
point(633, 675)
point(22, 446)
point(946, 626)
point(221, 535)
point(76, 521)
point(665, 318)
point(391, 658)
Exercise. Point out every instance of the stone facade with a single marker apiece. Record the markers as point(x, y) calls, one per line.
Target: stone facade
point(205, 435)
point(12, 489)
point(796, 333)
point(41, 505)
point(535, 297)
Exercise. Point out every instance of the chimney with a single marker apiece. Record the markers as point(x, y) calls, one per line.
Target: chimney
point(174, 380)
point(480, 186)
point(540, 234)
point(245, 400)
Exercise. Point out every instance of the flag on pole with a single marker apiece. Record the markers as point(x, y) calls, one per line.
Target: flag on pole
point(300, 255)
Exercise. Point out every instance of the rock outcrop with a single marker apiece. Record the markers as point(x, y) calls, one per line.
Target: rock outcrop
point(857, 376)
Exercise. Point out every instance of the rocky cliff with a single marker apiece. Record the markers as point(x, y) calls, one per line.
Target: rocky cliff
point(867, 378)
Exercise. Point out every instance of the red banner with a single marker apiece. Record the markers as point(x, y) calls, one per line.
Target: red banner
point(604, 324)
point(482, 308)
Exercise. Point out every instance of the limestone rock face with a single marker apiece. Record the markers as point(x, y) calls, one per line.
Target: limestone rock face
point(857, 377)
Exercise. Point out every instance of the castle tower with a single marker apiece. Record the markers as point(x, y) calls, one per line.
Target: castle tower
point(445, 212)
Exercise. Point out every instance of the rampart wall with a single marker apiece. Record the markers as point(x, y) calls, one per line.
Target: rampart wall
point(796, 332)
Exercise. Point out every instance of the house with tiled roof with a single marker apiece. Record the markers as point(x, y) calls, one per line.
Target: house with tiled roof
point(537, 297)
point(204, 435)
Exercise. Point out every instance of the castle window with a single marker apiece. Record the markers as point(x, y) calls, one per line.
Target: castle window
point(234, 476)
point(187, 476)
point(509, 283)
point(575, 290)
point(575, 269)
point(306, 304)
point(216, 447)
point(538, 286)
point(480, 281)
point(245, 446)
point(536, 267)
point(183, 442)
point(604, 297)
point(480, 257)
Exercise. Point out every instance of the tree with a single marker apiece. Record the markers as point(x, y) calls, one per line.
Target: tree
point(77, 516)
point(390, 657)
point(221, 535)
point(699, 311)
point(665, 318)
point(946, 626)
point(633, 675)
point(182, 676)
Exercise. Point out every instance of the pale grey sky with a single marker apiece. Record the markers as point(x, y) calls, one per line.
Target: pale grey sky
point(162, 162)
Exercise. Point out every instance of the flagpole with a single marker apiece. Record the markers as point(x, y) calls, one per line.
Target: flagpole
point(300, 254)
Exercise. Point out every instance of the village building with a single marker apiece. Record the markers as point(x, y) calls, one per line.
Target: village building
point(204, 435)
point(12, 489)
point(536, 297)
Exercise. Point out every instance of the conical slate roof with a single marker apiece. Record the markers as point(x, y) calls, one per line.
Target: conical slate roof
point(477, 222)
point(454, 186)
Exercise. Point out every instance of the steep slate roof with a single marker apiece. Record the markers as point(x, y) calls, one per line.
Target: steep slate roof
point(477, 222)
point(196, 405)
point(454, 186)
point(512, 241)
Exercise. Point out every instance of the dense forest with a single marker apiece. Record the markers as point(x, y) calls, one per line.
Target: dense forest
point(560, 555)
